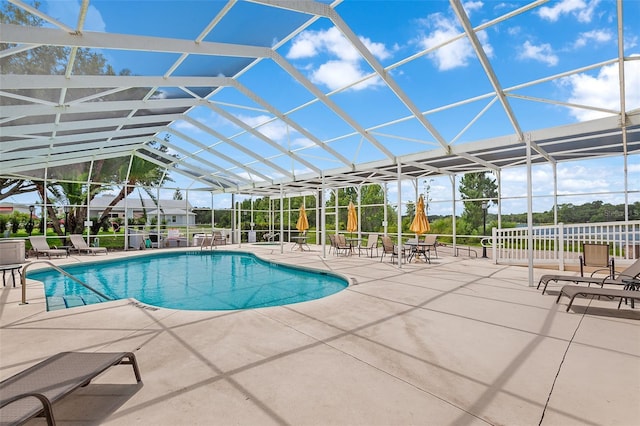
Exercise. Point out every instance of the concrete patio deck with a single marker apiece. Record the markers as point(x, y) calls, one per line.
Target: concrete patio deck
point(459, 342)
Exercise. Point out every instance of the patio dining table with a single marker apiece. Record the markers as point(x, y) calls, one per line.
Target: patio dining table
point(353, 243)
point(419, 248)
point(300, 243)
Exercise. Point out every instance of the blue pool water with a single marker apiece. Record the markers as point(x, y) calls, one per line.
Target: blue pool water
point(215, 280)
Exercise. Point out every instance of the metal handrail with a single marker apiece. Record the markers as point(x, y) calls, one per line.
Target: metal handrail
point(23, 280)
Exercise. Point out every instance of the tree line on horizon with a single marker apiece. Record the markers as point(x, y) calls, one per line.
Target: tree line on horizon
point(595, 211)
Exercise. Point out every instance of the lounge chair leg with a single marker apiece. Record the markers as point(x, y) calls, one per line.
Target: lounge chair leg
point(559, 296)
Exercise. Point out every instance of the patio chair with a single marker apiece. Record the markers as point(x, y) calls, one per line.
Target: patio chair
point(33, 391)
point(632, 271)
point(40, 246)
point(80, 245)
point(332, 242)
point(342, 245)
point(388, 248)
point(431, 241)
point(596, 255)
point(372, 243)
point(219, 239)
point(409, 248)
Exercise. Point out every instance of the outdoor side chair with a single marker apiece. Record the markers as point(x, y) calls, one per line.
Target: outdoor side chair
point(372, 244)
point(431, 241)
point(341, 245)
point(388, 248)
point(596, 255)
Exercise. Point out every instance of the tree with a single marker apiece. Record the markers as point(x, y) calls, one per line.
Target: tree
point(11, 187)
point(141, 174)
point(476, 187)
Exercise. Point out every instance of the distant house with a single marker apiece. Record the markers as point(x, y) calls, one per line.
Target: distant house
point(9, 208)
point(171, 212)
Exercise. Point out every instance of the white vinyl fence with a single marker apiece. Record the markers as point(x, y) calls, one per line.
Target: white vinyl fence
point(562, 244)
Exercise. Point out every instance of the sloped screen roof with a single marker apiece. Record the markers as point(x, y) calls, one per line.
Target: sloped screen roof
point(247, 95)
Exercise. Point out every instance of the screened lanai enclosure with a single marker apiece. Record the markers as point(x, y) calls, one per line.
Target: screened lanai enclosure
point(217, 106)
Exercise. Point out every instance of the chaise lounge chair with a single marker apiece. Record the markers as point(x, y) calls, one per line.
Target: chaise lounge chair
point(40, 246)
point(571, 291)
point(632, 271)
point(81, 246)
point(33, 391)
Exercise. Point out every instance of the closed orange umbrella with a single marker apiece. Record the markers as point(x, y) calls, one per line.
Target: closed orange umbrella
point(352, 218)
point(420, 224)
point(303, 223)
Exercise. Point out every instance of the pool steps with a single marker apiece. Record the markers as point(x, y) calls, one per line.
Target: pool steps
point(63, 302)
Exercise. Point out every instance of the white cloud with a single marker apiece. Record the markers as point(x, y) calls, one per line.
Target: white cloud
point(514, 30)
point(630, 41)
point(337, 74)
point(67, 12)
point(575, 179)
point(185, 127)
point(602, 90)
point(472, 6)
point(276, 130)
point(594, 36)
point(580, 9)
point(452, 55)
point(302, 142)
point(344, 63)
point(543, 53)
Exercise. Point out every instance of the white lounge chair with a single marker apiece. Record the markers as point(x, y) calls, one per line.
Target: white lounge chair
point(40, 246)
point(81, 246)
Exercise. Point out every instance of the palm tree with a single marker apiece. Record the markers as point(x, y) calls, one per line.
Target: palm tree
point(143, 174)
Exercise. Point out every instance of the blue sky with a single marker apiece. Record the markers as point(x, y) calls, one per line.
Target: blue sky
point(549, 40)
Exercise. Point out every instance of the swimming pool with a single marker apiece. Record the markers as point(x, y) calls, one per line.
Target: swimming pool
point(212, 280)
